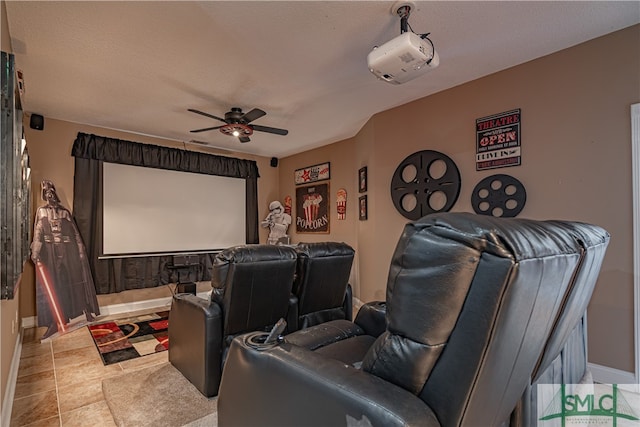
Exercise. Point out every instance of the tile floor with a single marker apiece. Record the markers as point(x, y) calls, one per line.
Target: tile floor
point(60, 380)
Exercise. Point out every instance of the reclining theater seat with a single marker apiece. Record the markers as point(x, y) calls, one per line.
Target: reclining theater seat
point(251, 291)
point(322, 284)
point(473, 306)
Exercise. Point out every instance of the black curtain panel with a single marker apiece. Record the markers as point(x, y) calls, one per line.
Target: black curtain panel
point(120, 274)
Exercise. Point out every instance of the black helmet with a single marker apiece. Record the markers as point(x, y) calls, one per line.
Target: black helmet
point(47, 185)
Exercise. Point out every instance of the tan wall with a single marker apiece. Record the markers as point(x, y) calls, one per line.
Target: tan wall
point(50, 158)
point(576, 149)
point(341, 157)
point(9, 309)
point(9, 330)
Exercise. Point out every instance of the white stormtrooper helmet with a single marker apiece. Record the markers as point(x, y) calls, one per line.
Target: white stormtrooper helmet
point(276, 205)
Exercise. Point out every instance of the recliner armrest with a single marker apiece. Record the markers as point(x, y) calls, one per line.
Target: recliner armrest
point(287, 385)
point(195, 341)
point(372, 318)
point(324, 334)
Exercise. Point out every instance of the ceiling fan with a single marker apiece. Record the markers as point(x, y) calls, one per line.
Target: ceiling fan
point(237, 123)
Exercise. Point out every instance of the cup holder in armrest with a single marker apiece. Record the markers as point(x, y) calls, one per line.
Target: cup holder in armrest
point(256, 340)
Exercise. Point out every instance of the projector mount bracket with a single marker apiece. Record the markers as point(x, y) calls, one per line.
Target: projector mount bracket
point(403, 10)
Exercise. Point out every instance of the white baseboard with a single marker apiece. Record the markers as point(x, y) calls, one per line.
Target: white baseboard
point(113, 309)
point(165, 302)
point(7, 402)
point(29, 322)
point(605, 375)
point(128, 307)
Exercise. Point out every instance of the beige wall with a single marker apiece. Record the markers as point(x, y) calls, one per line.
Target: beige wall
point(576, 149)
point(9, 309)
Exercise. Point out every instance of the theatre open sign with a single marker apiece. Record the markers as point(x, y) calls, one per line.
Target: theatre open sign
point(498, 140)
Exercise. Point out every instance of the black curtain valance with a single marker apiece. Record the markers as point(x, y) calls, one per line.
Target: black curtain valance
point(89, 146)
point(116, 275)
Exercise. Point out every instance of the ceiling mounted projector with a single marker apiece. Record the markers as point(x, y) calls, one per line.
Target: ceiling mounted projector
point(405, 57)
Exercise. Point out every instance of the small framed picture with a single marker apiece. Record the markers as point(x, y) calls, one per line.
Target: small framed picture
point(362, 180)
point(363, 208)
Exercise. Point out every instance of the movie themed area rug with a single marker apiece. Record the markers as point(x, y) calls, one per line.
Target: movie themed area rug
point(124, 339)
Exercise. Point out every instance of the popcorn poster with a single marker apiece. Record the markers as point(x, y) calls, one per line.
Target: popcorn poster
point(312, 209)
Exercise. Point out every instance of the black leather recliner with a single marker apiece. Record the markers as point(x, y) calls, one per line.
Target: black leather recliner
point(251, 291)
point(322, 284)
point(474, 304)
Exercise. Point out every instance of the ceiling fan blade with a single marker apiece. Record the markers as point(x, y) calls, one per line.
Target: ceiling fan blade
point(244, 139)
point(256, 113)
point(270, 130)
point(205, 129)
point(206, 115)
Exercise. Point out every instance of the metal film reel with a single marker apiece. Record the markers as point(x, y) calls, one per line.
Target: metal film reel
point(499, 196)
point(425, 182)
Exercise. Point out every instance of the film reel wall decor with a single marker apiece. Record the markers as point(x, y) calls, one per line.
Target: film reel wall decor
point(425, 182)
point(499, 196)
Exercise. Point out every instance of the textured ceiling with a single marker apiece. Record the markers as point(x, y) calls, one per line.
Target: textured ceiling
point(138, 66)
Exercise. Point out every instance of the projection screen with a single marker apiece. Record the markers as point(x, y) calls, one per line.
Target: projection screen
point(150, 211)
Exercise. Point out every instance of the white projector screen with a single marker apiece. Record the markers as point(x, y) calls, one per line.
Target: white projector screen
point(157, 211)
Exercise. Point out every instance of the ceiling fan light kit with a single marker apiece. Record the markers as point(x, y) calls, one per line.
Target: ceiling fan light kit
point(237, 123)
point(236, 129)
point(406, 56)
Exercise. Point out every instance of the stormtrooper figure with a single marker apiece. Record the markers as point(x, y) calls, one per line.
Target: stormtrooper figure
point(278, 222)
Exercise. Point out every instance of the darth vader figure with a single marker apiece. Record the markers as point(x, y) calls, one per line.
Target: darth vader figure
point(64, 285)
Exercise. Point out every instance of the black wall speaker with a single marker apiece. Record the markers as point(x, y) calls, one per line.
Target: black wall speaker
point(274, 162)
point(36, 122)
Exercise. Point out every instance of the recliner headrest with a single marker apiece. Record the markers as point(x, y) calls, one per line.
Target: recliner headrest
point(246, 254)
point(321, 249)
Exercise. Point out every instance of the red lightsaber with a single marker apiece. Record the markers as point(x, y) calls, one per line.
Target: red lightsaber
point(45, 279)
